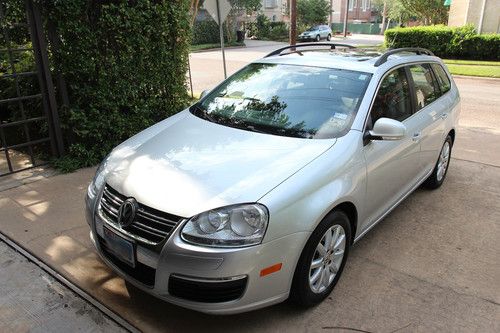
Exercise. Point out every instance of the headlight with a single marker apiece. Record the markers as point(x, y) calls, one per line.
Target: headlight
point(98, 180)
point(231, 226)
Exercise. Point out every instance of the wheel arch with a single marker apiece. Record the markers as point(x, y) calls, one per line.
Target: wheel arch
point(352, 213)
point(452, 134)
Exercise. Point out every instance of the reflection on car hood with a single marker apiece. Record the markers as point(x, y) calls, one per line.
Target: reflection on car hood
point(185, 165)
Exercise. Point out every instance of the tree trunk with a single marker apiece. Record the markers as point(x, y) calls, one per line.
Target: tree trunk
point(194, 8)
point(384, 18)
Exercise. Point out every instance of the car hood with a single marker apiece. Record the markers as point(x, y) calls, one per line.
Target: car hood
point(185, 165)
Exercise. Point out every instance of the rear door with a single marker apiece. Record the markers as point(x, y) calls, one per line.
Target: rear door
point(393, 167)
point(431, 110)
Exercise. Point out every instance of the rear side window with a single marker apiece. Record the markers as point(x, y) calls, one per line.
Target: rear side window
point(426, 88)
point(393, 97)
point(442, 78)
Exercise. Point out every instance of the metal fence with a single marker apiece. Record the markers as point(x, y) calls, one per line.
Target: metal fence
point(29, 122)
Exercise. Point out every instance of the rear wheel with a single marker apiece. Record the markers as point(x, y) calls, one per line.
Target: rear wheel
point(329, 37)
point(436, 179)
point(318, 38)
point(322, 260)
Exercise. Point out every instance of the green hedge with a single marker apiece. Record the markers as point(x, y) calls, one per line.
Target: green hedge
point(264, 29)
point(447, 42)
point(207, 32)
point(125, 64)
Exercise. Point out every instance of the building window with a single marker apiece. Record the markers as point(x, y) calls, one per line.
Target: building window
point(352, 4)
point(365, 5)
point(271, 3)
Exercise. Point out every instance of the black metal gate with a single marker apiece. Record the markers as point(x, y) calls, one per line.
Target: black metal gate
point(29, 122)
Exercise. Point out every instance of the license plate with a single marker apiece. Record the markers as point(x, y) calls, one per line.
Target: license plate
point(120, 247)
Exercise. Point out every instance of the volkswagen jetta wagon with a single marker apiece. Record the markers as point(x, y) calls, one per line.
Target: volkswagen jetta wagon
point(256, 193)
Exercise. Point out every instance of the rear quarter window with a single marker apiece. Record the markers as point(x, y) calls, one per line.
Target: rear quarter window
point(442, 78)
point(426, 87)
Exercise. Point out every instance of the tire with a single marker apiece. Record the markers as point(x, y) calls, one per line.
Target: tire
point(305, 293)
point(329, 37)
point(438, 175)
point(318, 38)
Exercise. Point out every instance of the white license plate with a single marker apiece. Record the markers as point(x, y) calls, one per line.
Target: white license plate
point(120, 247)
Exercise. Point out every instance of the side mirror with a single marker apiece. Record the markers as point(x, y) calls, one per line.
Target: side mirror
point(387, 129)
point(204, 93)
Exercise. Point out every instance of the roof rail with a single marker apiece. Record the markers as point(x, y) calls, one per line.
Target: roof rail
point(418, 50)
point(331, 45)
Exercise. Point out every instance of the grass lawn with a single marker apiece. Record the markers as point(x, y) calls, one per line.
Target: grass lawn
point(474, 68)
point(213, 46)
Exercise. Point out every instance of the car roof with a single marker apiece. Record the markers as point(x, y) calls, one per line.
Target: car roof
point(351, 59)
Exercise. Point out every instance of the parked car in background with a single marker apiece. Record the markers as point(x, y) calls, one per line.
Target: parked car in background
point(316, 33)
point(257, 192)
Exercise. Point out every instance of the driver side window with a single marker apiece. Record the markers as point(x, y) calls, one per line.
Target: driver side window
point(393, 98)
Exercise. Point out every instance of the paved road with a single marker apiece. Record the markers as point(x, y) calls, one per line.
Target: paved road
point(431, 265)
point(207, 69)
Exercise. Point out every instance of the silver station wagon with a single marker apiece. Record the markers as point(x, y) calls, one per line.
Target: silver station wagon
point(256, 193)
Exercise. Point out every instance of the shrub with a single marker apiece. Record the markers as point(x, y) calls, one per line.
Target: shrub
point(125, 64)
point(207, 32)
point(263, 26)
point(264, 29)
point(447, 42)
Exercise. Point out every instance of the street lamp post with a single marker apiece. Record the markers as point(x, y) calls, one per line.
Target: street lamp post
point(293, 22)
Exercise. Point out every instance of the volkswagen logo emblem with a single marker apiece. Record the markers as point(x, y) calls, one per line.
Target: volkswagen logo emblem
point(127, 211)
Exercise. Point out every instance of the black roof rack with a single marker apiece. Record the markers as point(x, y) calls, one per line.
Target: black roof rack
point(331, 45)
point(417, 50)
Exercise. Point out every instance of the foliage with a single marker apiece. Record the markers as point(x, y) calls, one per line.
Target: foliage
point(207, 32)
point(429, 11)
point(266, 30)
point(238, 9)
point(246, 5)
point(447, 42)
point(125, 64)
point(14, 15)
point(396, 11)
point(311, 12)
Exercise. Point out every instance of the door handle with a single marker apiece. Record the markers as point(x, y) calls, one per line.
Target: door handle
point(416, 136)
point(444, 116)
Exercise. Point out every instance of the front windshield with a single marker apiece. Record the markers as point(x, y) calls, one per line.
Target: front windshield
point(313, 29)
point(287, 100)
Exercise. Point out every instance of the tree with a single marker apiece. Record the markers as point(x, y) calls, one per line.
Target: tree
point(239, 7)
point(311, 12)
point(429, 11)
point(394, 11)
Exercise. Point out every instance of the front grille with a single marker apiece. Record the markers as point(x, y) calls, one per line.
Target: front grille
point(206, 291)
point(150, 225)
point(141, 272)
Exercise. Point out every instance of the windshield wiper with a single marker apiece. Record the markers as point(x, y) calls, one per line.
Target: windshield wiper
point(202, 113)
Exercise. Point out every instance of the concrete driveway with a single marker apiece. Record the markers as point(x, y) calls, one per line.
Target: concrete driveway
point(431, 265)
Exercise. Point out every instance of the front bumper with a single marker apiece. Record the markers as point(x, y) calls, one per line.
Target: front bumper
point(207, 265)
point(307, 38)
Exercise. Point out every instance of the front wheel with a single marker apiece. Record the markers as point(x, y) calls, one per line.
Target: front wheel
point(436, 179)
point(322, 260)
point(329, 37)
point(318, 38)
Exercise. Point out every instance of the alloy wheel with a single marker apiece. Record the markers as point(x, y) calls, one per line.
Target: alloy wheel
point(327, 259)
point(444, 157)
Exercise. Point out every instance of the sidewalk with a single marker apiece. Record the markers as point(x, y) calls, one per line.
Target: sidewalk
point(32, 301)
